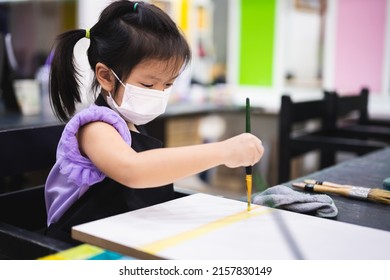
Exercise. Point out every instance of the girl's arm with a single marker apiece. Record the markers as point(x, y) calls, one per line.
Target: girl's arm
point(104, 146)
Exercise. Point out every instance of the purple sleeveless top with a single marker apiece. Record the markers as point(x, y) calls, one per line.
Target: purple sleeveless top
point(73, 174)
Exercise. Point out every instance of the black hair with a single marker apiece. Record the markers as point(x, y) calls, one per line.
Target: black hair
point(126, 34)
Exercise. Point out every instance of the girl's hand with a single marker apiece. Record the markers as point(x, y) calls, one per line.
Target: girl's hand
point(242, 150)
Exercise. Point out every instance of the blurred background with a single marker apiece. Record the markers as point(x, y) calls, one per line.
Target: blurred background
point(241, 48)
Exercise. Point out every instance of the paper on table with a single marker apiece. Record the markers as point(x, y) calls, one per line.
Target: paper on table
point(208, 227)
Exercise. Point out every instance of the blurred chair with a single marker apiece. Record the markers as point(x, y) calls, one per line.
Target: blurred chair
point(28, 149)
point(7, 73)
point(349, 114)
point(23, 211)
point(304, 127)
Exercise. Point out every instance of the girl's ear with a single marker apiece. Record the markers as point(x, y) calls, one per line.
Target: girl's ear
point(105, 77)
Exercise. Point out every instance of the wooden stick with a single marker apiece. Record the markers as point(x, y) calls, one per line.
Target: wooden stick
point(374, 195)
point(325, 183)
point(323, 189)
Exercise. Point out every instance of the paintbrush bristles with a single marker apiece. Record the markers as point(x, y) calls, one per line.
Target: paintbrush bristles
point(379, 195)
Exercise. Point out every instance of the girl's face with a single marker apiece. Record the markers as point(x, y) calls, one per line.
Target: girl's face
point(151, 74)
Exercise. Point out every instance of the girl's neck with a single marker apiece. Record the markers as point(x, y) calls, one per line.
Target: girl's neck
point(131, 126)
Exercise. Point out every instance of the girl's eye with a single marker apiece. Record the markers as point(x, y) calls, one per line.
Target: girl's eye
point(168, 85)
point(146, 85)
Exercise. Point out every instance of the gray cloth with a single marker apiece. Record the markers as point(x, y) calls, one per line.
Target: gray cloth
point(286, 198)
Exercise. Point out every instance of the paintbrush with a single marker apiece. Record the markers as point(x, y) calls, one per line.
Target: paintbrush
point(374, 195)
point(248, 169)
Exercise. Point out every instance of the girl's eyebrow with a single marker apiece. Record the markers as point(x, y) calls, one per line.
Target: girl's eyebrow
point(156, 78)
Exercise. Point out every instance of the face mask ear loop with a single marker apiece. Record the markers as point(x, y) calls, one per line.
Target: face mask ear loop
point(113, 101)
point(118, 78)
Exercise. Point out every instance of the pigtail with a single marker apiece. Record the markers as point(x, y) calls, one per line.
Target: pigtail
point(64, 77)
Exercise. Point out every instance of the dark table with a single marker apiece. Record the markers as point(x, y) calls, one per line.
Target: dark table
point(11, 120)
point(369, 171)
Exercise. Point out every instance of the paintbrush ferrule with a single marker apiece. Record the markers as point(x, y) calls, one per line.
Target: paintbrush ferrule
point(309, 187)
point(248, 179)
point(359, 192)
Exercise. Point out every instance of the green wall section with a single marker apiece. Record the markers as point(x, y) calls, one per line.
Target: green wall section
point(257, 42)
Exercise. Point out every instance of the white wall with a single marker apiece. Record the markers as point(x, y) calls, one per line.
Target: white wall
point(88, 12)
point(302, 45)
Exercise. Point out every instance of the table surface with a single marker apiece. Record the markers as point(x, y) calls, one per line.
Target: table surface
point(200, 226)
point(369, 171)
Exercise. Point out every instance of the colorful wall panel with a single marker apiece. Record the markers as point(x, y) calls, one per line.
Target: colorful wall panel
point(257, 42)
point(360, 43)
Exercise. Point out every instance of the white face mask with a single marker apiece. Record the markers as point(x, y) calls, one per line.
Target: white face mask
point(140, 105)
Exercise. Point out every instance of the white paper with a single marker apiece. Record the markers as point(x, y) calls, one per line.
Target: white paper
point(263, 233)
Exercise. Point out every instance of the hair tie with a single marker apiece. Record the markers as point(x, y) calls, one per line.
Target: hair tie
point(135, 7)
point(87, 33)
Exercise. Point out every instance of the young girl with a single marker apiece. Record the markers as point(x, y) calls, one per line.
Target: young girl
point(106, 163)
